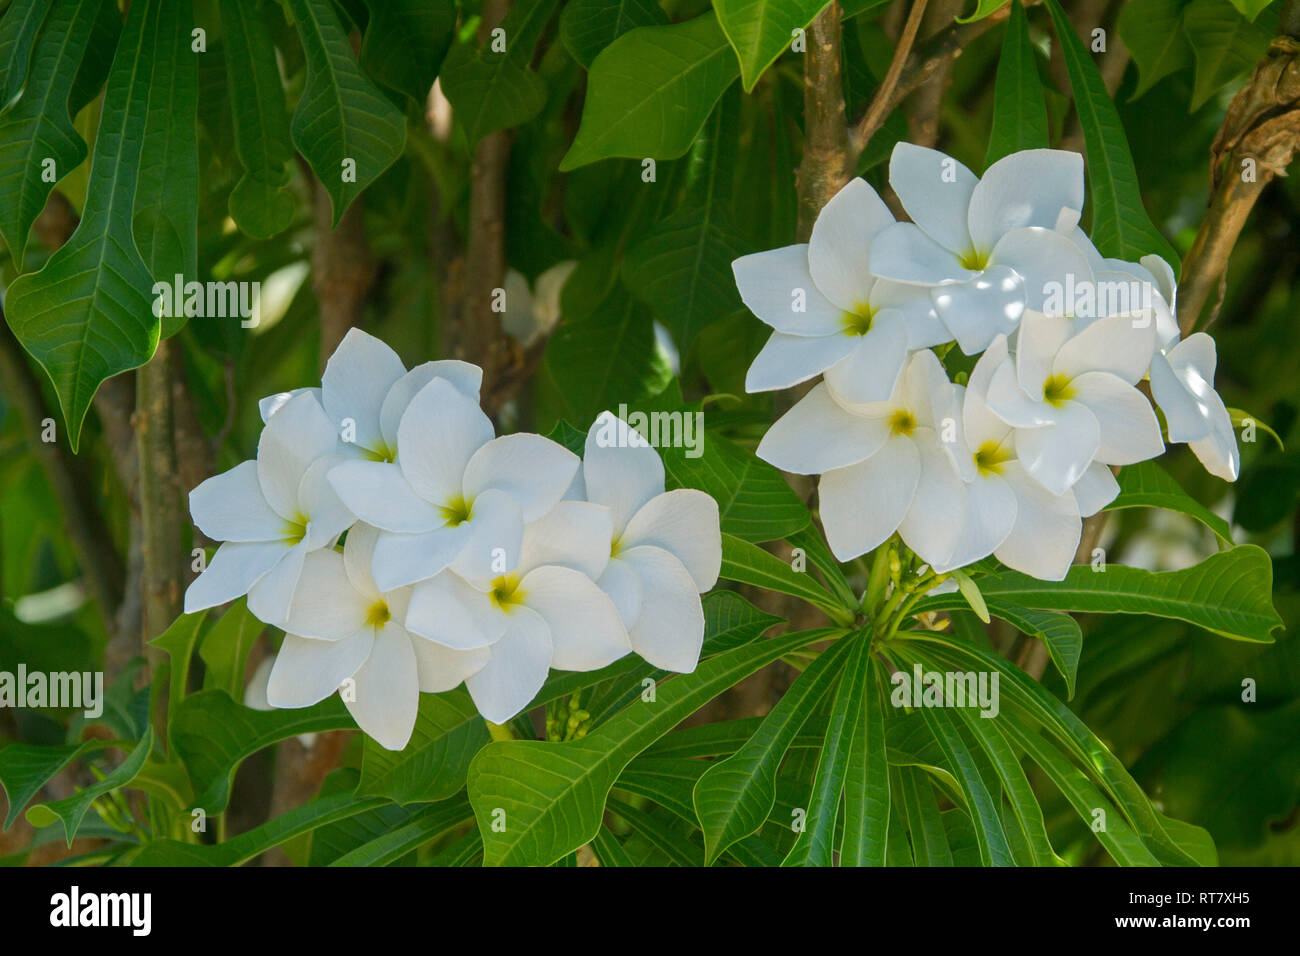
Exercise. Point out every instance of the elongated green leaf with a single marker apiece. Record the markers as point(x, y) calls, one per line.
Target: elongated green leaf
point(1225, 44)
point(434, 763)
point(1059, 632)
point(213, 735)
point(1250, 9)
point(406, 41)
point(760, 30)
point(1019, 115)
point(225, 649)
point(88, 314)
point(549, 796)
point(749, 564)
point(735, 796)
point(1146, 484)
point(929, 839)
point(425, 825)
point(1228, 593)
point(588, 26)
point(815, 845)
point(866, 784)
point(982, 9)
point(651, 90)
point(1153, 32)
point(609, 851)
point(345, 128)
point(261, 203)
point(970, 591)
point(179, 641)
point(1120, 224)
point(24, 769)
point(655, 831)
point(72, 810)
point(18, 30)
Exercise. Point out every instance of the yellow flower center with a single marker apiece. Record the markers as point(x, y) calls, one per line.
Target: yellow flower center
point(974, 259)
point(295, 529)
point(377, 615)
point(380, 452)
point(505, 593)
point(990, 457)
point(902, 422)
point(857, 322)
point(1057, 390)
point(457, 510)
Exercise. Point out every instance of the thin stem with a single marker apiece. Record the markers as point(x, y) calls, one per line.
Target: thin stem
point(881, 102)
point(499, 731)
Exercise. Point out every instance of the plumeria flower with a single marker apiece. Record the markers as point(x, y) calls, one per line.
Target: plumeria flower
point(664, 550)
point(366, 388)
point(270, 514)
point(829, 313)
point(1182, 384)
point(455, 495)
point(546, 612)
point(345, 628)
point(1070, 395)
point(992, 246)
point(883, 466)
point(1121, 287)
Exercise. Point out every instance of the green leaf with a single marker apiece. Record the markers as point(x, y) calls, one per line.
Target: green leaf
point(434, 763)
point(225, 649)
point(425, 825)
point(816, 843)
point(866, 784)
point(24, 769)
point(734, 796)
point(609, 851)
point(1225, 45)
point(651, 90)
point(1059, 632)
point(1148, 485)
point(1250, 9)
point(261, 203)
point(749, 564)
point(982, 9)
point(213, 735)
point(347, 130)
point(755, 502)
point(760, 30)
point(1019, 115)
point(971, 592)
point(178, 641)
point(1240, 418)
point(553, 794)
point(72, 810)
point(1153, 32)
point(38, 127)
point(18, 31)
point(588, 26)
point(1228, 593)
point(88, 314)
point(679, 850)
point(1120, 224)
point(405, 43)
point(929, 840)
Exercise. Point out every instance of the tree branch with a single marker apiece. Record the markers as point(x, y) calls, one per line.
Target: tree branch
point(827, 163)
point(879, 108)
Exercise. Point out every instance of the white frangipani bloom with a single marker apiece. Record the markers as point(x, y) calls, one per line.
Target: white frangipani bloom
point(344, 628)
point(270, 513)
point(366, 388)
point(1182, 384)
point(455, 496)
point(664, 549)
point(993, 246)
point(545, 612)
point(883, 466)
point(829, 312)
point(1070, 395)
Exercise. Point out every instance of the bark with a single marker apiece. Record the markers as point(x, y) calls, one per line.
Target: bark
point(160, 493)
point(342, 270)
point(827, 163)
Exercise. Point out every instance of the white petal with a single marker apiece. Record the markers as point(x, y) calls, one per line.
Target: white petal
point(326, 604)
point(1186, 415)
point(818, 434)
point(586, 630)
point(387, 689)
point(296, 435)
point(533, 470)
point(1010, 403)
point(496, 533)
point(933, 523)
point(1046, 533)
point(356, 380)
point(980, 426)
point(1049, 263)
point(669, 630)
point(378, 493)
point(268, 406)
point(1218, 450)
point(787, 360)
point(1037, 344)
point(402, 559)
point(1057, 454)
point(327, 516)
point(925, 389)
point(624, 588)
point(990, 515)
point(1095, 489)
point(307, 671)
point(1130, 431)
point(517, 669)
point(936, 191)
point(1026, 188)
point(1114, 344)
point(235, 568)
point(574, 534)
point(359, 558)
point(464, 376)
point(440, 668)
point(871, 371)
point(621, 470)
point(864, 504)
point(684, 523)
point(439, 432)
point(448, 611)
point(903, 253)
point(840, 242)
point(778, 288)
point(271, 598)
point(924, 327)
point(979, 310)
point(230, 507)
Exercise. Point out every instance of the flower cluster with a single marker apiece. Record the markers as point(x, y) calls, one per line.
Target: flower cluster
point(1008, 462)
point(404, 548)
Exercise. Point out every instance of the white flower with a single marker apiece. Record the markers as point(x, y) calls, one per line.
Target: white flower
point(665, 547)
point(455, 495)
point(366, 388)
point(546, 612)
point(883, 465)
point(270, 513)
point(343, 627)
point(992, 246)
point(1182, 384)
point(829, 313)
point(1071, 396)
